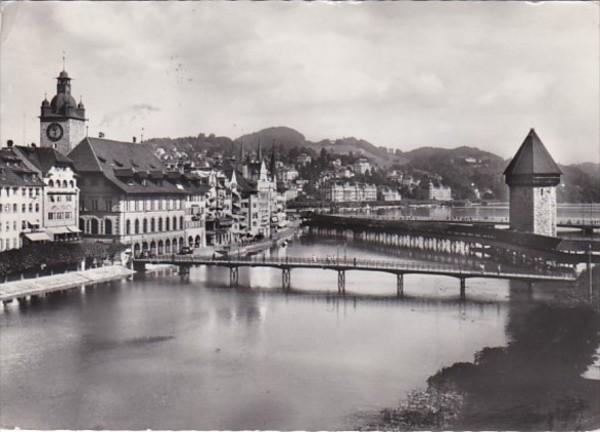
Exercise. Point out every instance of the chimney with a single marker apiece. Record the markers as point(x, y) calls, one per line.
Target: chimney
point(100, 134)
point(9, 143)
point(134, 140)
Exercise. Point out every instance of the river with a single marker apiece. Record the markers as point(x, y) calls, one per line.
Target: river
point(163, 353)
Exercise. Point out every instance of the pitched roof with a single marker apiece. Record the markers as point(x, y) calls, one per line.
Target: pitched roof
point(532, 158)
point(44, 158)
point(131, 167)
point(14, 172)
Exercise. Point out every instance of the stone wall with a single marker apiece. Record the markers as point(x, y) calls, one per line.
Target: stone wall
point(533, 209)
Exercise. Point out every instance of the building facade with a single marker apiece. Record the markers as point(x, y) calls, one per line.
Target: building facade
point(336, 191)
point(439, 193)
point(128, 197)
point(532, 177)
point(21, 202)
point(60, 206)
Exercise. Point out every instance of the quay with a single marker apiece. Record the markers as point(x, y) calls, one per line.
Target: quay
point(22, 289)
point(341, 265)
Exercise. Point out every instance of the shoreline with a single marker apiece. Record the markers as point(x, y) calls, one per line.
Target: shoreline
point(43, 285)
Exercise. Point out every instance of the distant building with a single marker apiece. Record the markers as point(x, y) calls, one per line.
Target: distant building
point(336, 191)
point(439, 193)
point(361, 166)
point(287, 174)
point(387, 193)
point(532, 177)
point(303, 159)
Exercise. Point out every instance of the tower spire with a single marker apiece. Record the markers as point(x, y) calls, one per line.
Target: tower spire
point(272, 165)
point(259, 151)
point(64, 57)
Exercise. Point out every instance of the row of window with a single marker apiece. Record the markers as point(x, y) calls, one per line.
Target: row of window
point(58, 198)
point(59, 215)
point(154, 205)
point(153, 225)
point(14, 225)
point(24, 208)
point(13, 191)
point(64, 183)
point(9, 244)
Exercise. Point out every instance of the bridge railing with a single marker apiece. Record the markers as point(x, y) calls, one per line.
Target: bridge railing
point(344, 263)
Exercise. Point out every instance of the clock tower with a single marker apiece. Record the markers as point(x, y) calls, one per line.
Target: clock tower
point(62, 121)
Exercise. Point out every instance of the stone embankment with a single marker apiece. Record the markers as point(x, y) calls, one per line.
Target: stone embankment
point(24, 288)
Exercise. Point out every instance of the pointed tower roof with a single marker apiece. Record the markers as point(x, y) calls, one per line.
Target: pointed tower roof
point(532, 159)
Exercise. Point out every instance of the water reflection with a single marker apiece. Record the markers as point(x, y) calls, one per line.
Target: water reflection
point(163, 353)
point(532, 383)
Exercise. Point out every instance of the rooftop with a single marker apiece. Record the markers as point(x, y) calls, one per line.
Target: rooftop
point(532, 158)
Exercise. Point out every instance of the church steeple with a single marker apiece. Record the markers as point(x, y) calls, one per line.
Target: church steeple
point(273, 163)
point(260, 156)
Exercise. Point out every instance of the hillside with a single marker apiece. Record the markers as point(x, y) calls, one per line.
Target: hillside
point(284, 139)
point(461, 168)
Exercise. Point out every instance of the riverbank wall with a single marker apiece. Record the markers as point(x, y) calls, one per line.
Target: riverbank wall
point(29, 288)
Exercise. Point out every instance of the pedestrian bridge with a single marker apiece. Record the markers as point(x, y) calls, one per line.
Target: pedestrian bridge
point(341, 265)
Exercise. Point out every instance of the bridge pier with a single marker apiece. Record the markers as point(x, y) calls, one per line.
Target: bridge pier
point(400, 285)
point(233, 276)
point(286, 278)
point(463, 285)
point(341, 281)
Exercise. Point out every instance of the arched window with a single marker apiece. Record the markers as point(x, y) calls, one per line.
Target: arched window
point(152, 225)
point(81, 224)
point(160, 224)
point(180, 222)
point(71, 183)
point(65, 183)
point(145, 226)
point(51, 183)
point(108, 226)
point(127, 227)
point(174, 223)
point(167, 223)
point(137, 226)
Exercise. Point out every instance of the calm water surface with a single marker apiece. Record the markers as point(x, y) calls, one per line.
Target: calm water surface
point(165, 354)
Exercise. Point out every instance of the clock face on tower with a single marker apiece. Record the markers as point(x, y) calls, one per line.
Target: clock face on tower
point(54, 131)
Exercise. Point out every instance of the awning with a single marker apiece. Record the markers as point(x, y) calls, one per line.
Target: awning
point(37, 236)
point(59, 230)
point(74, 230)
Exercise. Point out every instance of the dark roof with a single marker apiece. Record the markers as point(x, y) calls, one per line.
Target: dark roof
point(532, 158)
point(14, 172)
point(131, 167)
point(44, 158)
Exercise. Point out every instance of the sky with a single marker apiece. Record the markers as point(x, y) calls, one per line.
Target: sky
point(398, 74)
